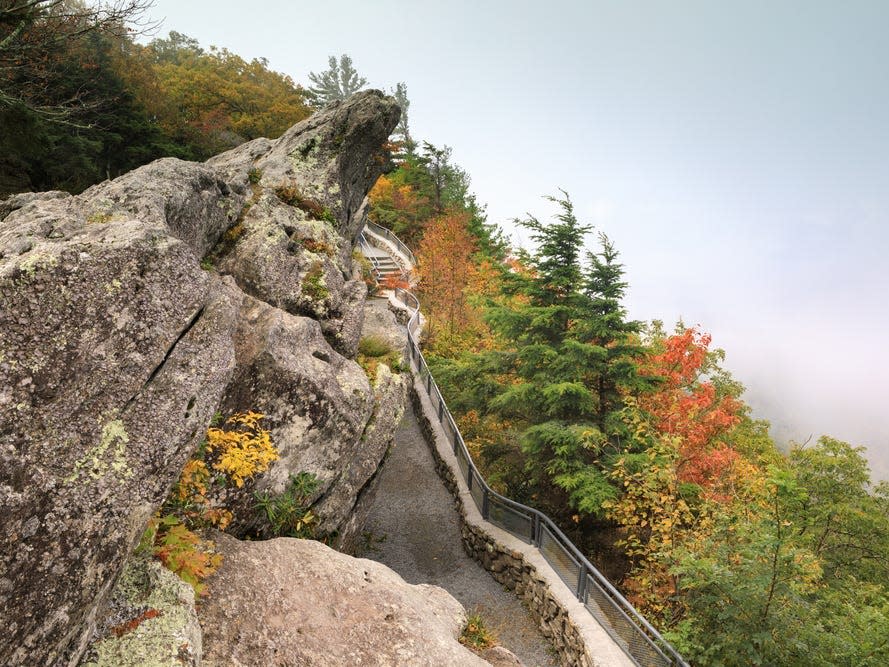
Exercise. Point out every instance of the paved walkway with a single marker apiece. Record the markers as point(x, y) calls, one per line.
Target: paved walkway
point(413, 528)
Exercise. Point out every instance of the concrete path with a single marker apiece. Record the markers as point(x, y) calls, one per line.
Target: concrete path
point(413, 528)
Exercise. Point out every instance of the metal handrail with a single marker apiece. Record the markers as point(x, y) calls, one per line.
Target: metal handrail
point(364, 245)
point(397, 242)
point(642, 643)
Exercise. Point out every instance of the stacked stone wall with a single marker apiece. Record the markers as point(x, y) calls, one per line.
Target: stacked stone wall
point(578, 640)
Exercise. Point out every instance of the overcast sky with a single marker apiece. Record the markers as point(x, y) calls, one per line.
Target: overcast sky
point(736, 152)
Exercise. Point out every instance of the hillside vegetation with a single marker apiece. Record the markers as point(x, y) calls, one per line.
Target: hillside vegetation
point(639, 444)
point(632, 436)
point(82, 101)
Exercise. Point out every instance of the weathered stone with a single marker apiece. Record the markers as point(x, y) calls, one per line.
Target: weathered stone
point(115, 351)
point(316, 402)
point(295, 245)
point(499, 656)
point(191, 200)
point(151, 621)
point(116, 348)
point(336, 507)
point(382, 322)
point(297, 602)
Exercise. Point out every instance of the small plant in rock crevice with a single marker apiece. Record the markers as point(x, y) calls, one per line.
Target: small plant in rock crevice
point(313, 283)
point(374, 350)
point(476, 635)
point(291, 195)
point(232, 454)
point(288, 513)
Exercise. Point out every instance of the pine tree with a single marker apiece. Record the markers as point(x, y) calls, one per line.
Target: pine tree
point(402, 130)
point(338, 82)
point(605, 324)
point(569, 364)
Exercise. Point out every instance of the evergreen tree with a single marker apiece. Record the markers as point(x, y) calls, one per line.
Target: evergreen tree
point(402, 130)
point(605, 324)
point(569, 363)
point(339, 81)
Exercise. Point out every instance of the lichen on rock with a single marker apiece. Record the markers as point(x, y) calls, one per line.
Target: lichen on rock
point(151, 621)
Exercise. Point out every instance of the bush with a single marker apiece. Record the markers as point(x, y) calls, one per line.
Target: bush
point(373, 351)
point(237, 452)
point(374, 346)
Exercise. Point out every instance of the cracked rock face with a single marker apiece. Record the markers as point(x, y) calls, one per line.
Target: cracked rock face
point(294, 249)
point(116, 349)
point(297, 602)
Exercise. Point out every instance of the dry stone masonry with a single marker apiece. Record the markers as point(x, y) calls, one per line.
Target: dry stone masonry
point(578, 640)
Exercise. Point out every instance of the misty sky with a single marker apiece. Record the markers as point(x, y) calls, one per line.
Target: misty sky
point(736, 152)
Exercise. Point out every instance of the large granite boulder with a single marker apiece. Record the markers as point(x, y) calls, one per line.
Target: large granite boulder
point(298, 602)
point(116, 348)
point(293, 247)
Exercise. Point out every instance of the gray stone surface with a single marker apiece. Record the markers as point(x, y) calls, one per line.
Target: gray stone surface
point(152, 621)
point(114, 351)
point(324, 416)
point(297, 602)
point(295, 246)
point(383, 322)
point(116, 348)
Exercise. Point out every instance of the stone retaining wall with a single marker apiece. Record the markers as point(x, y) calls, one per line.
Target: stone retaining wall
point(577, 638)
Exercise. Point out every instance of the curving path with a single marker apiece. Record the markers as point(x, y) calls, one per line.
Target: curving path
point(414, 529)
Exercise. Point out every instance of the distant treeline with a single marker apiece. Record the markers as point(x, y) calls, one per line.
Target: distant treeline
point(81, 101)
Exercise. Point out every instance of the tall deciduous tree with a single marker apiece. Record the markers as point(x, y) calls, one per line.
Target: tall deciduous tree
point(337, 82)
point(444, 269)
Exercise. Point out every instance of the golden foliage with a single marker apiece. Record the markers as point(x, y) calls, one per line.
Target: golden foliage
point(242, 451)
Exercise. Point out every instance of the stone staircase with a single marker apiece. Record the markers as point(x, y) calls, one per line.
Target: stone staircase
point(383, 264)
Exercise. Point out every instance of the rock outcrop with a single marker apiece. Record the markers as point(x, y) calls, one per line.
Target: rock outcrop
point(297, 602)
point(116, 348)
point(295, 241)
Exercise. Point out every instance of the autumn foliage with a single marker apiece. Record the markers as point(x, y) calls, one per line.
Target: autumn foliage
point(688, 406)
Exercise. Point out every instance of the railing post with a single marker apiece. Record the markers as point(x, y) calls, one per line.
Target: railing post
point(535, 530)
point(440, 409)
point(469, 475)
point(581, 581)
point(485, 504)
point(429, 382)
